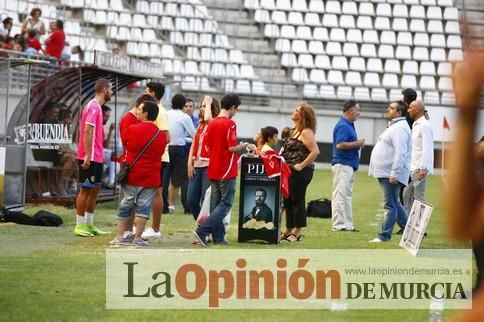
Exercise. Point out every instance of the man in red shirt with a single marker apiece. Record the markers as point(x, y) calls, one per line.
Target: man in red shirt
point(222, 170)
point(137, 194)
point(55, 41)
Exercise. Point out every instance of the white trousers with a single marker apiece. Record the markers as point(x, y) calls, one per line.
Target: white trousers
point(342, 210)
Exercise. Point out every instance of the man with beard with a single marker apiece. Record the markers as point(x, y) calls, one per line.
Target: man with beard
point(261, 212)
point(90, 158)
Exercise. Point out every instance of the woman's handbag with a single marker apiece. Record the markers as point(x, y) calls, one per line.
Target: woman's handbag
point(122, 176)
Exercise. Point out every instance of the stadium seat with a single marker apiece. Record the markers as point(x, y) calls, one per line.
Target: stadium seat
point(420, 53)
point(283, 45)
point(333, 7)
point(357, 64)
point(353, 78)
point(337, 34)
point(339, 63)
point(205, 39)
point(349, 8)
point(221, 55)
point(368, 50)
point(236, 56)
point(311, 18)
point(232, 70)
point(330, 20)
point(451, 13)
point(399, 24)
point(400, 11)
point(452, 27)
point(388, 37)
point(431, 98)
point(288, 60)
point(310, 90)
point(166, 23)
point(344, 92)
point(347, 21)
point(395, 94)
point(136, 34)
point(383, 10)
point(271, 31)
point(327, 91)
point(139, 20)
point(116, 5)
point(437, 40)
point(392, 66)
point(242, 85)
point(333, 48)
point(404, 38)
point(364, 22)
point(299, 6)
point(196, 25)
point(354, 35)
point(444, 69)
point(300, 75)
point(191, 39)
point(371, 80)
point(366, 9)
point(149, 35)
point(258, 88)
point(445, 84)
point(435, 26)
point(386, 51)
point(434, 13)
point(370, 37)
point(421, 39)
point(305, 60)
point(454, 41)
point(455, 55)
point(316, 6)
point(167, 51)
point(262, 16)
point(362, 93)
point(288, 31)
point(316, 47)
point(320, 33)
point(379, 94)
point(417, 12)
point(390, 81)
point(322, 61)
point(350, 49)
point(417, 25)
point(409, 81)
point(217, 70)
point(438, 55)
point(186, 10)
point(299, 46)
point(279, 17)
point(251, 4)
point(427, 68)
point(268, 4)
point(317, 76)
point(303, 32)
point(427, 83)
point(295, 18)
point(448, 98)
point(170, 9)
point(335, 77)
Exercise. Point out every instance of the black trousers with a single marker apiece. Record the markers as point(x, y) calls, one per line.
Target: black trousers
point(296, 203)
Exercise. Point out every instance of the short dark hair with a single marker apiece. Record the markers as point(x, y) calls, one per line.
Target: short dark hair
point(101, 84)
point(158, 88)
point(402, 107)
point(59, 23)
point(347, 105)
point(409, 95)
point(151, 109)
point(189, 100)
point(178, 101)
point(7, 20)
point(263, 190)
point(105, 108)
point(268, 132)
point(230, 100)
point(144, 98)
point(34, 10)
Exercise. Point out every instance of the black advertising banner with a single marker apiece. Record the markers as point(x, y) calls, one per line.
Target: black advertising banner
point(259, 206)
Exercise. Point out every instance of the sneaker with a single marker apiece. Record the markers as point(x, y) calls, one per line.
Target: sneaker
point(199, 239)
point(376, 240)
point(120, 241)
point(83, 231)
point(96, 231)
point(140, 242)
point(171, 209)
point(151, 233)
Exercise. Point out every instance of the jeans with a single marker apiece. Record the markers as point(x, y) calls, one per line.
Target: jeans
point(196, 190)
point(166, 183)
point(221, 200)
point(414, 190)
point(394, 211)
point(342, 211)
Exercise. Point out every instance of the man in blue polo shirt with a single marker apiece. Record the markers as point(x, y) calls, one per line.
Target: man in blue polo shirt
point(346, 159)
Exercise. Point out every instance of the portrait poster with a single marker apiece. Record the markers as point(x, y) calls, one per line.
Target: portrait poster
point(259, 202)
point(418, 220)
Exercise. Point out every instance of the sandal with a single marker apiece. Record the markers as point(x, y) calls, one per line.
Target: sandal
point(293, 238)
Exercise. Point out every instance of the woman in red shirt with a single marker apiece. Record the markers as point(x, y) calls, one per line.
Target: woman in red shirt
point(198, 156)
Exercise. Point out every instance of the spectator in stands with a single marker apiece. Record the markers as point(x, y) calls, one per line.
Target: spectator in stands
point(199, 156)
point(9, 44)
point(109, 166)
point(390, 164)
point(156, 90)
point(5, 29)
point(345, 163)
point(90, 158)
point(465, 196)
point(129, 119)
point(137, 194)
point(222, 170)
point(33, 40)
point(33, 22)
point(77, 54)
point(422, 162)
point(181, 126)
point(300, 152)
point(55, 41)
point(269, 138)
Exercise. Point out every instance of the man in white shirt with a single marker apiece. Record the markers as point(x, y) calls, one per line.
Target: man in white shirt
point(181, 126)
point(390, 164)
point(422, 162)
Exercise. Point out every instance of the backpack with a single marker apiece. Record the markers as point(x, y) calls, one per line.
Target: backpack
point(41, 218)
point(320, 208)
point(46, 218)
